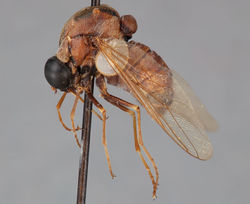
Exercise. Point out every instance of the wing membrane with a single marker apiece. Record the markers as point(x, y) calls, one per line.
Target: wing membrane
point(184, 120)
point(190, 101)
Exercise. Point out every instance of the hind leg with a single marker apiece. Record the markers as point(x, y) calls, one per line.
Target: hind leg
point(117, 102)
point(138, 141)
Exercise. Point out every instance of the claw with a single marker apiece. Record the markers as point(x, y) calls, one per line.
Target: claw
point(53, 89)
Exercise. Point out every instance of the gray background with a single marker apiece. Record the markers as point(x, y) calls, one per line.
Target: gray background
point(207, 42)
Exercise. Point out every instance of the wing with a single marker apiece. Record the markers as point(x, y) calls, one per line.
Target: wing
point(183, 117)
point(193, 103)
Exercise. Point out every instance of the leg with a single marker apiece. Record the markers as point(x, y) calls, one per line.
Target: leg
point(104, 140)
point(120, 104)
point(72, 116)
point(117, 102)
point(138, 141)
point(58, 106)
point(137, 109)
point(93, 111)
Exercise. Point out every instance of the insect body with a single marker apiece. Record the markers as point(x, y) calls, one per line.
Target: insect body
point(99, 37)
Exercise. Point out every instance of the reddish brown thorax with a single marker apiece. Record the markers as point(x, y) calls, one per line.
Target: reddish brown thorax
point(75, 42)
point(77, 48)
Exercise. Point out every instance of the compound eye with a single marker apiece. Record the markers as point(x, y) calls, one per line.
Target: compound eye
point(57, 73)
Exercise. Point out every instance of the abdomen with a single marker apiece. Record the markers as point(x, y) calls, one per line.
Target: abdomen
point(149, 72)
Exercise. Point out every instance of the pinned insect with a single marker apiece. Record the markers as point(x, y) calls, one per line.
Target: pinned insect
point(99, 37)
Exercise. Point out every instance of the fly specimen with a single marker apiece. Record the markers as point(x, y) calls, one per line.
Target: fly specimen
point(99, 37)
